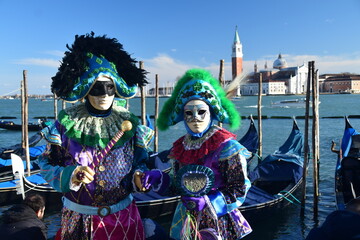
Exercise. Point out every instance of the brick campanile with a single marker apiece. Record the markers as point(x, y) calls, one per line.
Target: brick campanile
point(236, 56)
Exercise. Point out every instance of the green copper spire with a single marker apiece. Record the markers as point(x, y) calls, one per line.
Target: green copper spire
point(236, 38)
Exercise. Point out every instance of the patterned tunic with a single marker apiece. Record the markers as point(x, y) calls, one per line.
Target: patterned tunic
point(74, 140)
point(218, 150)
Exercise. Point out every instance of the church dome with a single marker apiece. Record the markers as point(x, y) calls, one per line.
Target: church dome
point(280, 63)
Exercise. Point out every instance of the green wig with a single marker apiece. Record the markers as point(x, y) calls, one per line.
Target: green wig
point(198, 84)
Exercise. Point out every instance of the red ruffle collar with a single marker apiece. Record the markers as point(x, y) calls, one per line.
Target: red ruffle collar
point(184, 155)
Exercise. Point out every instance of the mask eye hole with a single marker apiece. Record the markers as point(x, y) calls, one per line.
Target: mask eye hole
point(201, 112)
point(110, 86)
point(188, 113)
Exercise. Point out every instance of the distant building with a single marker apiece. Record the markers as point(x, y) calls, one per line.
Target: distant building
point(281, 79)
point(274, 88)
point(163, 91)
point(339, 83)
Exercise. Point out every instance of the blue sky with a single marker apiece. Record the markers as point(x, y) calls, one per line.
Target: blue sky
point(174, 36)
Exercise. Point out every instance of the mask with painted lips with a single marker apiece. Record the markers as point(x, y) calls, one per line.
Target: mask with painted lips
point(197, 115)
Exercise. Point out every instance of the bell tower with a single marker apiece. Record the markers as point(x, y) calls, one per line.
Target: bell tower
point(236, 56)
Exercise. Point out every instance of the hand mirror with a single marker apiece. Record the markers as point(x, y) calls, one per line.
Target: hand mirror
point(194, 180)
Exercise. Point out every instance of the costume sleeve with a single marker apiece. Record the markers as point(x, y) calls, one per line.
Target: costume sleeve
point(143, 138)
point(56, 175)
point(232, 165)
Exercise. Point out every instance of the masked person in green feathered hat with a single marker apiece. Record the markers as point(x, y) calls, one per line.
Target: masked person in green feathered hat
point(97, 148)
point(208, 151)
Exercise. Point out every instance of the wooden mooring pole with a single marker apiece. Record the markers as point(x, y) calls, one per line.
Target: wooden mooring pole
point(156, 115)
point(221, 78)
point(143, 98)
point(260, 117)
point(315, 138)
point(306, 142)
point(25, 121)
point(22, 113)
point(55, 107)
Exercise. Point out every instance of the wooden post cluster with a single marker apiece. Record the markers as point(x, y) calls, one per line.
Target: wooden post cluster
point(306, 141)
point(315, 136)
point(260, 117)
point(55, 107)
point(313, 87)
point(221, 79)
point(156, 115)
point(25, 120)
point(143, 100)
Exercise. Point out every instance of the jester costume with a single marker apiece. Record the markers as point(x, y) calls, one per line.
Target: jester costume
point(103, 208)
point(215, 148)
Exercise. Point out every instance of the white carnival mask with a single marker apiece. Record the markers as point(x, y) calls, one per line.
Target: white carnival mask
point(101, 102)
point(197, 115)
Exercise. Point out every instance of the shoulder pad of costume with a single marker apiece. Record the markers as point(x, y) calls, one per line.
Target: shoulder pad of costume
point(51, 134)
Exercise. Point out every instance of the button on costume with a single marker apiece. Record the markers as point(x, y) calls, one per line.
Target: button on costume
point(90, 157)
point(214, 215)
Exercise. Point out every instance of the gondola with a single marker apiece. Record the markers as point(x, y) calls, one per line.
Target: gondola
point(14, 190)
point(347, 171)
point(251, 140)
point(19, 150)
point(10, 125)
point(276, 179)
point(34, 152)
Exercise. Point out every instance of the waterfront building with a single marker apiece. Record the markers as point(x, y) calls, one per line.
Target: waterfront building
point(163, 91)
point(281, 79)
point(339, 83)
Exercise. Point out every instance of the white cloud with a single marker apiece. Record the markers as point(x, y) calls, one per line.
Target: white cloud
point(38, 62)
point(55, 53)
point(329, 20)
point(167, 68)
point(325, 64)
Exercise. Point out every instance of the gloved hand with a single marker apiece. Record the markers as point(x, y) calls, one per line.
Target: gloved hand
point(82, 174)
point(151, 178)
point(137, 180)
point(194, 203)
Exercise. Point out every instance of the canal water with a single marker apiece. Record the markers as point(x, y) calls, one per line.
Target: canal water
point(287, 223)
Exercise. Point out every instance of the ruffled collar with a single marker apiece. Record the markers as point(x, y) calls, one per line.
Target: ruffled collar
point(96, 131)
point(187, 150)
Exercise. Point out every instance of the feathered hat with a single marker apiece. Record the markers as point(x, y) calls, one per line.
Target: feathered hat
point(198, 84)
point(91, 56)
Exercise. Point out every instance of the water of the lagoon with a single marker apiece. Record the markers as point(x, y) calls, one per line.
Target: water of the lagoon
point(286, 224)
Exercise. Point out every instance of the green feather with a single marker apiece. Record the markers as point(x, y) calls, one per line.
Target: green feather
point(163, 119)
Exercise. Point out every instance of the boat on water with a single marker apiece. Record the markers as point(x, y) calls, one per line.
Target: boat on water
point(347, 171)
point(296, 102)
point(10, 125)
point(34, 151)
point(276, 180)
point(251, 139)
point(13, 191)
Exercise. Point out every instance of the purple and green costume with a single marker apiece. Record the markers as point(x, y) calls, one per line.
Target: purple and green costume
point(104, 208)
point(227, 159)
point(214, 148)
